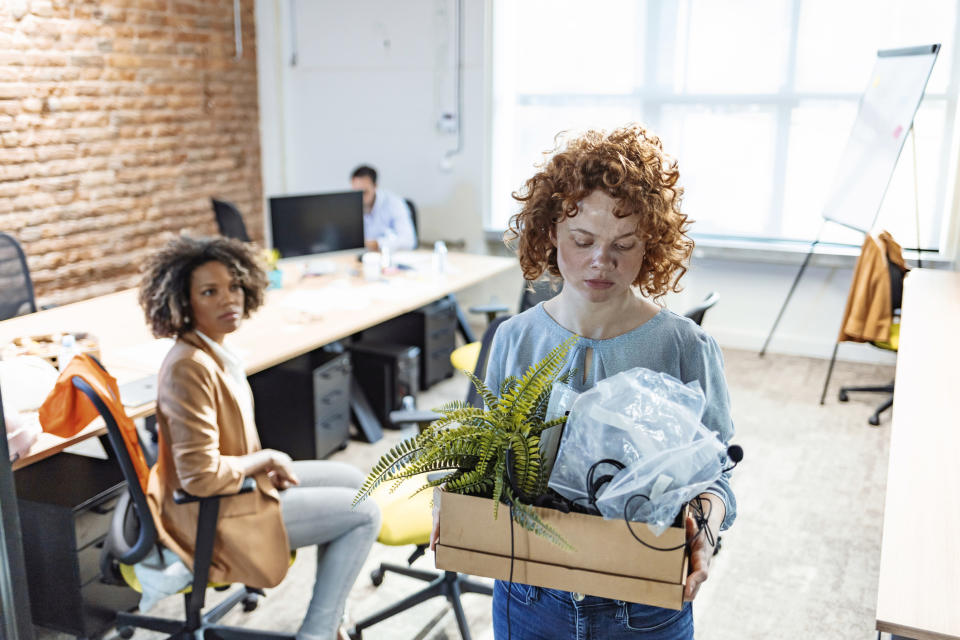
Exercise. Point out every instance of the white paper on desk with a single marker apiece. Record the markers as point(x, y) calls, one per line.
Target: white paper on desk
point(150, 354)
point(91, 448)
point(317, 302)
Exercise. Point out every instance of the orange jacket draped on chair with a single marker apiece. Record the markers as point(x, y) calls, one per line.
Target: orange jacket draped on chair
point(868, 314)
point(202, 433)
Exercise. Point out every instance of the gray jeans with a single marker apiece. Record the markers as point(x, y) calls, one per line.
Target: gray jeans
point(318, 512)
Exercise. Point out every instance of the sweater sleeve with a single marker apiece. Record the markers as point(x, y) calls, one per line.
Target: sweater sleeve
point(703, 361)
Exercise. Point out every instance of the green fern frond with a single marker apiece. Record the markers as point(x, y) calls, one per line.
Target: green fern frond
point(474, 445)
point(525, 516)
point(397, 457)
point(509, 383)
point(489, 400)
point(453, 405)
point(520, 401)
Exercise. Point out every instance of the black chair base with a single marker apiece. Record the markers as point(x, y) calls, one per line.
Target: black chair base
point(449, 584)
point(874, 419)
point(179, 630)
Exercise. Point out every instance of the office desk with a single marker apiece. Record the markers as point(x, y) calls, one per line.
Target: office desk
point(307, 313)
point(919, 586)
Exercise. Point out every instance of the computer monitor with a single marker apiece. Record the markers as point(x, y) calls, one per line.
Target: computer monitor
point(319, 223)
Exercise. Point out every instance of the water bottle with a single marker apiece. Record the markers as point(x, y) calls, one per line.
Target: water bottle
point(439, 256)
point(68, 349)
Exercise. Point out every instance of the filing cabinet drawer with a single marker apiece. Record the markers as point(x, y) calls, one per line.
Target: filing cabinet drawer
point(93, 523)
point(88, 563)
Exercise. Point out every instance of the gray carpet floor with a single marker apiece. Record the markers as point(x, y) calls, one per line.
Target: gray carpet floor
point(800, 562)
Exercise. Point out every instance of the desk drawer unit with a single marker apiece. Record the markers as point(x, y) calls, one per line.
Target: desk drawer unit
point(431, 328)
point(66, 503)
point(302, 406)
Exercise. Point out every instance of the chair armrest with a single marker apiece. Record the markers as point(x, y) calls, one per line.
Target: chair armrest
point(489, 308)
point(182, 497)
point(412, 416)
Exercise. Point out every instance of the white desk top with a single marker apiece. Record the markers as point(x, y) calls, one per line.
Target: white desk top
point(919, 586)
point(305, 314)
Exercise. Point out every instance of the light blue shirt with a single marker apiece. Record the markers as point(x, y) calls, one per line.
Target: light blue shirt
point(666, 343)
point(389, 222)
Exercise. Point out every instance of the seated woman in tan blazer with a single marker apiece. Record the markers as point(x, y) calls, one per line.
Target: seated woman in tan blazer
point(198, 291)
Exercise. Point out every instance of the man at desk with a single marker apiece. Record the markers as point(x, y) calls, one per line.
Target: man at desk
point(386, 217)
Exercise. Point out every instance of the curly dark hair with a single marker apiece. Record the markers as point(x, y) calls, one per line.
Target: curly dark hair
point(629, 165)
point(165, 288)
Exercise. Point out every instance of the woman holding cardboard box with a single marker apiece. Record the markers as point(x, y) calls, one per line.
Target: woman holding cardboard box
point(603, 215)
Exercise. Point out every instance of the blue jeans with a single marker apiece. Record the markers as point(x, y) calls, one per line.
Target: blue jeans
point(548, 614)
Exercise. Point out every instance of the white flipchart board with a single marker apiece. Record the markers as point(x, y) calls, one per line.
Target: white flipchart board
point(883, 120)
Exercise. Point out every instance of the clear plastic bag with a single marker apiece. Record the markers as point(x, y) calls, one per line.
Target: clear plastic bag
point(650, 423)
point(654, 489)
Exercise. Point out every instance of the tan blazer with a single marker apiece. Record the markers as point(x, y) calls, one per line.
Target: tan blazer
point(868, 314)
point(202, 431)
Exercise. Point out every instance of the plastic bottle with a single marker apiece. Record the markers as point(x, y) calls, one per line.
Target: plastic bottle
point(68, 349)
point(439, 256)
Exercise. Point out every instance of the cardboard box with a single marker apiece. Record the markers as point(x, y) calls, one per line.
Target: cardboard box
point(607, 560)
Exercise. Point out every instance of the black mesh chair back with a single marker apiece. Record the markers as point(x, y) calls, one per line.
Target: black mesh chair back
point(543, 290)
point(16, 288)
point(896, 285)
point(132, 532)
point(229, 220)
point(697, 312)
point(413, 220)
point(480, 370)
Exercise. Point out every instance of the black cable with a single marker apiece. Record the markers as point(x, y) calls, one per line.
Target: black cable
point(701, 520)
point(510, 582)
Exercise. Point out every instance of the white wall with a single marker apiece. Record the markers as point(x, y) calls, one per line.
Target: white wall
point(371, 79)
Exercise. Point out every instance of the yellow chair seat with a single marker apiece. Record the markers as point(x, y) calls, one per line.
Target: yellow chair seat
point(130, 577)
point(465, 358)
point(893, 343)
point(405, 519)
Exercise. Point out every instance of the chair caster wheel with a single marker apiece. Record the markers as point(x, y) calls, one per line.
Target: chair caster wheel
point(250, 602)
point(376, 577)
point(843, 396)
point(874, 420)
point(125, 632)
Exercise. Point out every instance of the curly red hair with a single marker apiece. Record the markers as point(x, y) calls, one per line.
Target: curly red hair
point(629, 165)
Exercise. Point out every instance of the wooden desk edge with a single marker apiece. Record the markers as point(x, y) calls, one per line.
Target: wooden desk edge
point(48, 445)
point(911, 632)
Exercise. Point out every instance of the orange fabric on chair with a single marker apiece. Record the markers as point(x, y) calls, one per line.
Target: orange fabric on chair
point(67, 410)
point(868, 313)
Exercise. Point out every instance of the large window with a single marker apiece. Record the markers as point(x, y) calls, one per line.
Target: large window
point(755, 98)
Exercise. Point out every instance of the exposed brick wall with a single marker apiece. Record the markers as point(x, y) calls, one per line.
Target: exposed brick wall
point(119, 120)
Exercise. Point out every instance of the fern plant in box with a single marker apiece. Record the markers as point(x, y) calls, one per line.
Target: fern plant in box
point(484, 449)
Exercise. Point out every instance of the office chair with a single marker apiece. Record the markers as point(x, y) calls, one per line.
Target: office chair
point(410, 521)
point(532, 293)
point(133, 535)
point(413, 220)
point(16, 287)
point(697, 312)
point(229, 220)
point(891, 344)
